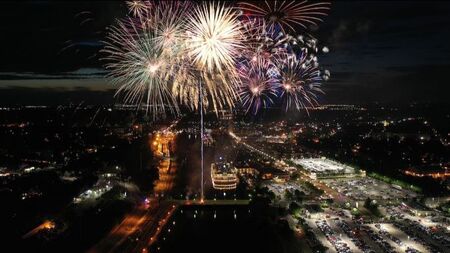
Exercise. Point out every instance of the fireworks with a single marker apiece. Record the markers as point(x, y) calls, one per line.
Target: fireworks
point(137, 7)
point(259, 44)
point(281, 14)
point(167, 19)
point(213, 42)
point(214, 37)
point(258, 85)
point(139, 67)
point(173, 53)
point(299, 81)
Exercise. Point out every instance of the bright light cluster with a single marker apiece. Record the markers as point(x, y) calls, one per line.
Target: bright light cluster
point(166, 53)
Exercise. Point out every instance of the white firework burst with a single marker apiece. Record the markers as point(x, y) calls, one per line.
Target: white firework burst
point(140, 68)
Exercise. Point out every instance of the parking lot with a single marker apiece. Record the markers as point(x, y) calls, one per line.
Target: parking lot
point(340, 244)
point(359, 188)
point(337, 230)
point(433, 236)
point(334, 230)
point(398, 240)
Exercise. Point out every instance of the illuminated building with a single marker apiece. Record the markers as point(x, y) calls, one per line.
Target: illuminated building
point(247, 171)
point(223, 176)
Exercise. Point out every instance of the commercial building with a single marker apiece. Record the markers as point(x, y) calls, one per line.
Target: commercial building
point(223, 176)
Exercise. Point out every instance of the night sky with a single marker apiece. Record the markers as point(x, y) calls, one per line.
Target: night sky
point(380, 51)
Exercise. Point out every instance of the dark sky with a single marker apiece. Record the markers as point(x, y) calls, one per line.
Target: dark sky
point(380, 51)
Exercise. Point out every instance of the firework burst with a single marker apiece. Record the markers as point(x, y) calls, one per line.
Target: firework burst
point(214, 37)
point(258, 85)
point(300, 81)
point(259, 44)
point(139, 67)
point(138, 7)
point(287, 14)
point(167, 20)
point(213, 43)
point(264, 44)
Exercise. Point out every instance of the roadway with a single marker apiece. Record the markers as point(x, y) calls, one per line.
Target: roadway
point(144, 217)
point(142, 227)
point(150, 230)
point(303, 176)
point(120, 233)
